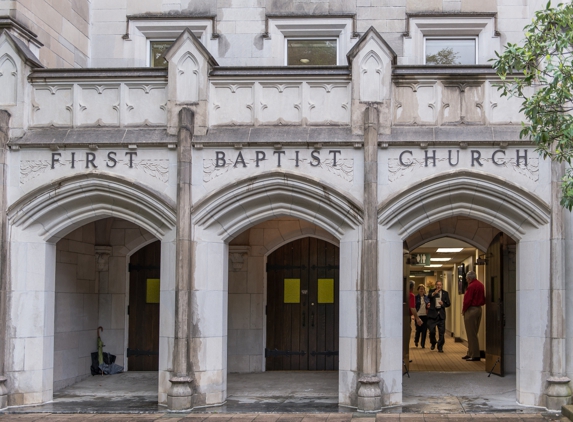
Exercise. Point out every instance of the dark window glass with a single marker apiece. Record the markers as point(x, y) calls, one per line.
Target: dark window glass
point(158, 48)
point(311, 52)
point(450, 51)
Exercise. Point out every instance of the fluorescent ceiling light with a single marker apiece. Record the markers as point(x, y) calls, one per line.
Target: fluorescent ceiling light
point(440, 259)
point(449, 250)
point(432, 265)
point(412, 276)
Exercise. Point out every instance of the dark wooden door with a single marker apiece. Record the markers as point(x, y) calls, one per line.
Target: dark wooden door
point(302, 306)
point(494, 315)
point(143, 344)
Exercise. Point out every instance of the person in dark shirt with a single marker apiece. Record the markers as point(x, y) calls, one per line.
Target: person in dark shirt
point(422, 303)
point(439, 301)
point(474, 299)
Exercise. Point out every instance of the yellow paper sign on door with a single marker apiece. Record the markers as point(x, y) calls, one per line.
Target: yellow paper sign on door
point(292, 290)
point(325, 290)
point(152, 294)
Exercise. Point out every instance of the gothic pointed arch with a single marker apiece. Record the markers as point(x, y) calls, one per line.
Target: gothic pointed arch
point(68, 203)
point(484, 197)
point(241, 205)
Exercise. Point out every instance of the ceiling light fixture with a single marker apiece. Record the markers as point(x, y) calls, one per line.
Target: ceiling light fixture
point(433, 265)
point(449, 250)
point(440, 259)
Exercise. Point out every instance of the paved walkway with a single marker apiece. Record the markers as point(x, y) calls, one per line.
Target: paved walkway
point(328, 417)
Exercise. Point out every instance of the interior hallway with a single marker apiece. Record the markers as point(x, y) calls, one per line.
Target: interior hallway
point(426, 360)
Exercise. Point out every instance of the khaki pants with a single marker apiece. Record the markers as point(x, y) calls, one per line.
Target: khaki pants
point(472, 319)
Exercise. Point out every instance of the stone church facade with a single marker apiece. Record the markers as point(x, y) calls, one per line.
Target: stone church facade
point(232, 151)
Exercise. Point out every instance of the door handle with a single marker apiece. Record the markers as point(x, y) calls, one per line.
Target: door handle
point(303, 319)
point(312, 319)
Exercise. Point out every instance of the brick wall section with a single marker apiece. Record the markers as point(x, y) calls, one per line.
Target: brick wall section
point(63, 26)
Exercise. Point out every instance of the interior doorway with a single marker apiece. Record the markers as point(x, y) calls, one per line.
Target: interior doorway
point(447, 260)
point(143, 309)
point(303, 306)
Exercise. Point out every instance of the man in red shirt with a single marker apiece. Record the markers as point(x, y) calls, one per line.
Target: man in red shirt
point(474, 299)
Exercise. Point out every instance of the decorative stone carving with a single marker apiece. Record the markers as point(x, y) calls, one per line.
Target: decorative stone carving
point(369, 394)
point(371, 77)
point(180, 394)
point(397, 171)
point(344, 167)
point(30, 169)
point(280, 104)
point(415, 103)
point(233, 104)
point(98, 105)
point(328, 104)
point(86, 105)
point(8, 81)
point(188, 69)
point(558, 393)
point(102, 254)
point(463, 103)
point(238, 258)
point(146, 104)
point(254, 103)
point(158, 169)
point(52, 105)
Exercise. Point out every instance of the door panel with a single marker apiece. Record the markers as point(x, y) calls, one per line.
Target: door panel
point(302, 335)
point(494, 306)
point(143, 343)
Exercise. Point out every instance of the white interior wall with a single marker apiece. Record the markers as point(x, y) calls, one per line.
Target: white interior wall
point(76, 315)
point(86, 298)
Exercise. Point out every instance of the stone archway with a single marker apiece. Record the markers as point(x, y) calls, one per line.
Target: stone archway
point(37, 222)
point(500, 204)
point(232, 210)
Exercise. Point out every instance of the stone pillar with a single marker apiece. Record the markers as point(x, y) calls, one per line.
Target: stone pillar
point(180, 394)
point(558, 391)
point(369, 393)
point(4, 124)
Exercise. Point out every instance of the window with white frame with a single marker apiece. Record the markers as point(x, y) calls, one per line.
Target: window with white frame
point(311, 51)
point(450, 39)
point(152, 37)
point(450, 51)
point(157, 49)
point(305, 41)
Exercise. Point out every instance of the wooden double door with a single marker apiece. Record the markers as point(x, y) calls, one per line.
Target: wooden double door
point(303, 306)
point(143, 310)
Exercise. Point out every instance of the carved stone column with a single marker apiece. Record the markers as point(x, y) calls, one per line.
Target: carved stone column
point(180, 394)
point(558, 391)
point(4, 137)
point(369, 393)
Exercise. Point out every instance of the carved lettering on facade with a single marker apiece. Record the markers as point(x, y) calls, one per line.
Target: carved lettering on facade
point(156, 168)
point(329, 160)
point(409, 161)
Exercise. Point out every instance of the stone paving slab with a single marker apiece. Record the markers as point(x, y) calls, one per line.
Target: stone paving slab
point(327, 417)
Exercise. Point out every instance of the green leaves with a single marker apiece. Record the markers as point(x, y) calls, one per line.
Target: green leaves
point(541, 73)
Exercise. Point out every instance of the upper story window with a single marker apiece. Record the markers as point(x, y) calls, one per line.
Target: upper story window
point(311, 52)
point(156, 51)
point(149, 36)
point(450, 39)
point(451, 51)
point(310, 41)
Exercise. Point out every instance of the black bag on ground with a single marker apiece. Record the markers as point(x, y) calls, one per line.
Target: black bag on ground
point(108, 359)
